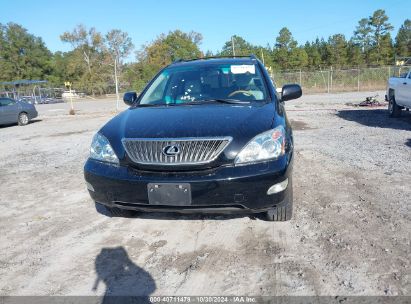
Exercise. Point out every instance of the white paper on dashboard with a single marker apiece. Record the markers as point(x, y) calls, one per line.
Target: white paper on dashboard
point(242, 69)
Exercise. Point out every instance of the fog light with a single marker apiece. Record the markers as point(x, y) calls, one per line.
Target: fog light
point(278, 187)
point(89, 186)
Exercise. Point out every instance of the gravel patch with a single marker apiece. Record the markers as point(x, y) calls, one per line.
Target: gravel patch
point(350, 233)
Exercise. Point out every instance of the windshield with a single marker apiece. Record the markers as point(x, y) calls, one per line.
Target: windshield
point(202, 83)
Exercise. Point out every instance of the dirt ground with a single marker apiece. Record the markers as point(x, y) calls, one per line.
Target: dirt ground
point(350, 234)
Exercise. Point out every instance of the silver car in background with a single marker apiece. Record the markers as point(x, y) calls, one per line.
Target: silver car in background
point(13, 111)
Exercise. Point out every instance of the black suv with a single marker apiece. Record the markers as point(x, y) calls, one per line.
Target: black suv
point(205, 135)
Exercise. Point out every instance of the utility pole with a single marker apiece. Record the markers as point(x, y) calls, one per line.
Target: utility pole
point(262, 56)
point(232, 45)
point(116, 80)
point(328, 81)
point(331, 78)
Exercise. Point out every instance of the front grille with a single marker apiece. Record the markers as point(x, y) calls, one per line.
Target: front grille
point(191, 151)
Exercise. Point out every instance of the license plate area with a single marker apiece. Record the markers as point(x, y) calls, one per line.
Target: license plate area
point(169, 194)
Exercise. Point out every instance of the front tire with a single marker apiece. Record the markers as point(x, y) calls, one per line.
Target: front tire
point(23, 119)
point(283, 211)
point(393, 109)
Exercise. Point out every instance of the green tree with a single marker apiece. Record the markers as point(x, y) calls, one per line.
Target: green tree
point(88, 50)
point(403, 39)
point(245, 48)
point(337, 51)
point(118, 45)
point(286, 53)
point(362, 34)
point(284, 44)
point(355, 57)
point(22, 55)
point(64, 69)
point(298, 58)
point(373, 36)
point(322, 46)
point(159, 53)
point(386, 52)
point(382, 48)
point(183, 45)
point(265, 54)
point(362, 37)
point(313, 53)
point(241, 47)
point(168, 48)
point(285, 40)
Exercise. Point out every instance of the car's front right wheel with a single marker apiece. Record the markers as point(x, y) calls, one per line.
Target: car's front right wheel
point(283, 211)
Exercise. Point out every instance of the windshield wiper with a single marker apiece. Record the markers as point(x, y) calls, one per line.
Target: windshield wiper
point(199, 102)
point(230, 101)
point(146, 105)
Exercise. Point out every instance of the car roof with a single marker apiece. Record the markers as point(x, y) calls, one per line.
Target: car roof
point(215, 60)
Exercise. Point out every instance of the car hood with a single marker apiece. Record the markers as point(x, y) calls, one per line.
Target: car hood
point(241, 122)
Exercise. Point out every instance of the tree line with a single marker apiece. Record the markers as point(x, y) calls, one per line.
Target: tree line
point(95, 58)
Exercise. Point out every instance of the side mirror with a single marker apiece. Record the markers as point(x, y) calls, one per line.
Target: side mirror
point(291, 91)
point(130, 98)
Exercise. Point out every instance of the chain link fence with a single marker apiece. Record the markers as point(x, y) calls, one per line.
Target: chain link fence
point(334, 80)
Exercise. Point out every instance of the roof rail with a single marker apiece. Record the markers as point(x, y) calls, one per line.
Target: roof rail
point(251, 56)
point(178, 60)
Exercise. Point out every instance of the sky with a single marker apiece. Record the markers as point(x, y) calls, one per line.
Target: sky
point(257, 21)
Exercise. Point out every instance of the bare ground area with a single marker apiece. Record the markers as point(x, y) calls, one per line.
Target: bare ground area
point(350, 234)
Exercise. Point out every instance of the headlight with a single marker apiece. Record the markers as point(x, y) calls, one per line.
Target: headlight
point(101, 150)
point(265, 146)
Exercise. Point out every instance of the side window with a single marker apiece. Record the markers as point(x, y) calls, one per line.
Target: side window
point(7, 102)
point(156, 90)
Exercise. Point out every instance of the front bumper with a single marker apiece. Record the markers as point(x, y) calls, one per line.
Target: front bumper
point(228, 189)
point(33, 114)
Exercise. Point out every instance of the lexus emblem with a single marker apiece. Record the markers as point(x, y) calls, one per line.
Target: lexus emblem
point(171, 150)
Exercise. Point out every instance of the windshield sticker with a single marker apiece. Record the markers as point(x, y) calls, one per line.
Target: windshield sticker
point(242, 69)
point(225, 70)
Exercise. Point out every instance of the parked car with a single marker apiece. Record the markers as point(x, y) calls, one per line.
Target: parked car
point(399, 94)
point(14, 111)
point(207, 135)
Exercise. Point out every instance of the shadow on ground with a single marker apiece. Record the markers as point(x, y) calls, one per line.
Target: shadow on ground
point(408, 142)
point(16, 124)
point(124, 281)
point(377, 118)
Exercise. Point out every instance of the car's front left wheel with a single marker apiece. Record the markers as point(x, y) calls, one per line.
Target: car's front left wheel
point(23, 119)
point(393, 109)
point(283, 211)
